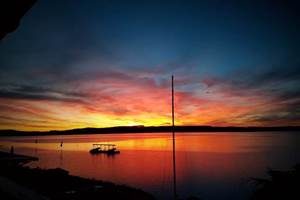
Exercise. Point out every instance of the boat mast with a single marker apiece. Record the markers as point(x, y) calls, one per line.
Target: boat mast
point(173, 137)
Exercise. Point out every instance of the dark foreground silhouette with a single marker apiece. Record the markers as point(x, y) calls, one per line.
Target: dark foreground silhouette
point(11, 13)
point(283, 185)
point(20, 182)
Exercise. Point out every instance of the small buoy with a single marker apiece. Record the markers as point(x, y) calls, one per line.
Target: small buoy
point(12, 150)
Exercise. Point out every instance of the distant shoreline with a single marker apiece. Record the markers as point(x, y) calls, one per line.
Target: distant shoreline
point(147, 129)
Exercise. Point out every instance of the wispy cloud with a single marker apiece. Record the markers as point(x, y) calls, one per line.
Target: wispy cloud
point(112, 97)
point(27, 92)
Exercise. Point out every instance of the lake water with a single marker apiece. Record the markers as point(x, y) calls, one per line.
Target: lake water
point(209, 165)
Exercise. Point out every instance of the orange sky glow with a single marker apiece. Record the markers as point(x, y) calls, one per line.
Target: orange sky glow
point(110, 102)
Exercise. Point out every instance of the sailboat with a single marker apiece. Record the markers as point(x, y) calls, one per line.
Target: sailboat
point(173, 140)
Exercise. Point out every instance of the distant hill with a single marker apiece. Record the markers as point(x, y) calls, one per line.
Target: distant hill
point(148, 129)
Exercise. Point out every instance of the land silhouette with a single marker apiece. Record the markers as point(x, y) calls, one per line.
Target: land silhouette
point(147, 129)
point(278, 185)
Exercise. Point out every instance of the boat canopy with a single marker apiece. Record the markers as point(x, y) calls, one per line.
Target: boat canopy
point(104, 145)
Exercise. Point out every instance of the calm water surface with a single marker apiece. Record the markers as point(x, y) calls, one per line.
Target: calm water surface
point(209, 165)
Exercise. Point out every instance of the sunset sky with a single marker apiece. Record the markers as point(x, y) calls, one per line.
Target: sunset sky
point(74, 64)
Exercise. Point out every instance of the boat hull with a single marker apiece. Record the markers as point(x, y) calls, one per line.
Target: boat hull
point(108, 152)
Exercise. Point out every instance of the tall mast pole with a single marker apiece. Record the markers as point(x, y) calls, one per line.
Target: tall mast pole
point(173, 137)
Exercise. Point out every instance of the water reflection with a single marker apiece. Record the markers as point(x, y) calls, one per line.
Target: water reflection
point(206, 162)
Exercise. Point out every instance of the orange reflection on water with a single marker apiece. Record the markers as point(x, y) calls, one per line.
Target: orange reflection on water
point(145, 160)
point(191, 142)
